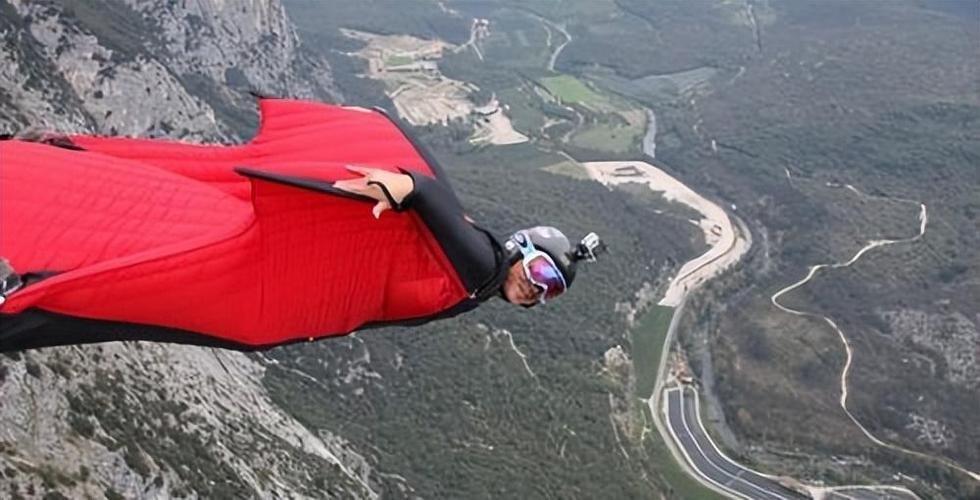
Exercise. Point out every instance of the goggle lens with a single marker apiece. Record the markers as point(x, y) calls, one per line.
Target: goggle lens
point(543, 272)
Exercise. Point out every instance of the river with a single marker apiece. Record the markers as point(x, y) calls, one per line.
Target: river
point(650, 138)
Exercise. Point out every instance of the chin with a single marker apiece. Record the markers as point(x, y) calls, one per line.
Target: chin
point(513, 296)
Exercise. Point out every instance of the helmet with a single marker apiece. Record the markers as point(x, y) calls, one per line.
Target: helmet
point(554, 243)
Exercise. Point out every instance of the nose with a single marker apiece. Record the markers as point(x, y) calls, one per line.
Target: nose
point(530, 290)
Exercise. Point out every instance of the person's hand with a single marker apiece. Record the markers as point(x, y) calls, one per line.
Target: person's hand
point(399, 185)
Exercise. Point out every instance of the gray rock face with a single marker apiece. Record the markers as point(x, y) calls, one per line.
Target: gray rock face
point(158, 421)
point(177, 69)
point(137, 420)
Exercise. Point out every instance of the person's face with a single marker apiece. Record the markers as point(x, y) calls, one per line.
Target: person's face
point(518, 289)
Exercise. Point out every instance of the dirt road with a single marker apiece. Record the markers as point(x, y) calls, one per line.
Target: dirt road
point(848, 349)
point(726, 242)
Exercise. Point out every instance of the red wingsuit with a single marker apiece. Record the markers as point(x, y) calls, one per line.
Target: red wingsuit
point(247, 245)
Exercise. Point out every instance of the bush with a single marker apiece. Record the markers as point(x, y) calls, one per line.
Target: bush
point(33, 369)
point(112, 494)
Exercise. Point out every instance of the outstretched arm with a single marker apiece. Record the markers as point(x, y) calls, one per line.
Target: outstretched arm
point(470, 248)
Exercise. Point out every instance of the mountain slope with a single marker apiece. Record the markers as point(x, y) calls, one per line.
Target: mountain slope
point(499, 402)
point(141, 420)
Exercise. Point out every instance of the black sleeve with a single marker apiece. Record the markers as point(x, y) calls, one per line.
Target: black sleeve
point(474, 252)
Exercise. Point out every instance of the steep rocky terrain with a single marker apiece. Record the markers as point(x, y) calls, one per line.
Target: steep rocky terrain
point(141, 420)
point(176, 69)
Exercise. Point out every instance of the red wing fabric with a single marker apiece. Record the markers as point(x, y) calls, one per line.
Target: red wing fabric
point(169, 234)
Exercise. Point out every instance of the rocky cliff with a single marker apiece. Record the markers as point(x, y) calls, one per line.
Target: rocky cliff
point(178, 69)
point(133, 420)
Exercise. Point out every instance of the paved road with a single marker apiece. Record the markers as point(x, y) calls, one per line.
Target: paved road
point(685, 425)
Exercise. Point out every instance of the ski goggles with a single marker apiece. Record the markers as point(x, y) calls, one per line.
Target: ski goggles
point(540, 269)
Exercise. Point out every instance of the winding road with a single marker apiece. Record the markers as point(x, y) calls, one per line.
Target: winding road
point(691, 446)
point(554, 55)
point(726, 248)
point(726, 245)
point(848, 349)
point(560, 28)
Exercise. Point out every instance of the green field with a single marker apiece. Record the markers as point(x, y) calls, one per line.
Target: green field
point(603, 137)
point(398, 60)
point(571, 90)
point(648, 342)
